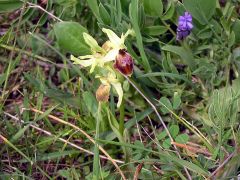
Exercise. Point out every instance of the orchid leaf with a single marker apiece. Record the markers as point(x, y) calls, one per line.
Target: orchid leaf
point(117, 86)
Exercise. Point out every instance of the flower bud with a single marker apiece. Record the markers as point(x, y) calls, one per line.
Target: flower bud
point(102, 93)
point(124, 62)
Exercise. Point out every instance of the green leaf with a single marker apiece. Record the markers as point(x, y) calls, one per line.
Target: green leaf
point(35, 82)
point(91, 42)
point(182, 138)
point(155, 30)
point(190, 165)
point(167, 143)
point(224, 106)
point(113, 123)
point(204, 34)
point(104, 15)
point(174, 130)
point(169, 12)
point(118, 12)
point(165, 74)
point(19, 134)
point(53, 155)
point(65, 173)
point(133, 9)
point(201, 10)
point(10, 5)
point(185, 54)
point(236, 30)
point(3, 77)
point(70, 38)
point(118, 87)
point(153, 7)
point(141, 16)
point(176, 100)
point(45, 114)
point(231, 39)
point(90, 103)
point(93, 4)
point(225, 24)
point(166, 104)
point(162, 135)
point(96, 159)
point(69, 173)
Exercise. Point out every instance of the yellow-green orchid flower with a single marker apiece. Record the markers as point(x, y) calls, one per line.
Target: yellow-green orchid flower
point(102, 55)
point(115, 41)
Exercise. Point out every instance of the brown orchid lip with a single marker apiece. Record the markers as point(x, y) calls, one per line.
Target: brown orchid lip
point(124, 62)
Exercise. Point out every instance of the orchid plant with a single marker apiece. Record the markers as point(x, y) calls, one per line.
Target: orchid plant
point(105, 61)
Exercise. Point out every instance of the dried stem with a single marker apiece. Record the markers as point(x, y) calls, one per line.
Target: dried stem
point(31, 5)
point(223, 164)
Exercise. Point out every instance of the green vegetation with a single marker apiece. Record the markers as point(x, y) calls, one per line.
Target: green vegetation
point(72, 107)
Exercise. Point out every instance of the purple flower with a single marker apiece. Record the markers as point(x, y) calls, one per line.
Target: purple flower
point(184, 26)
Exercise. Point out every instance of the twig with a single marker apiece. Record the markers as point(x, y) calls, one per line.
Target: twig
point(138, 170)
point(223, 164)
point(31, 5)
point(160, 118)
point(192, 149)
point(158, 170)
point(60, 139)
point(151, 137)
point(139, 132)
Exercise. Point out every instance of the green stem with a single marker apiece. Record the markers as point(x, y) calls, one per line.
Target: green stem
point(96, 148)
point(121, 118)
